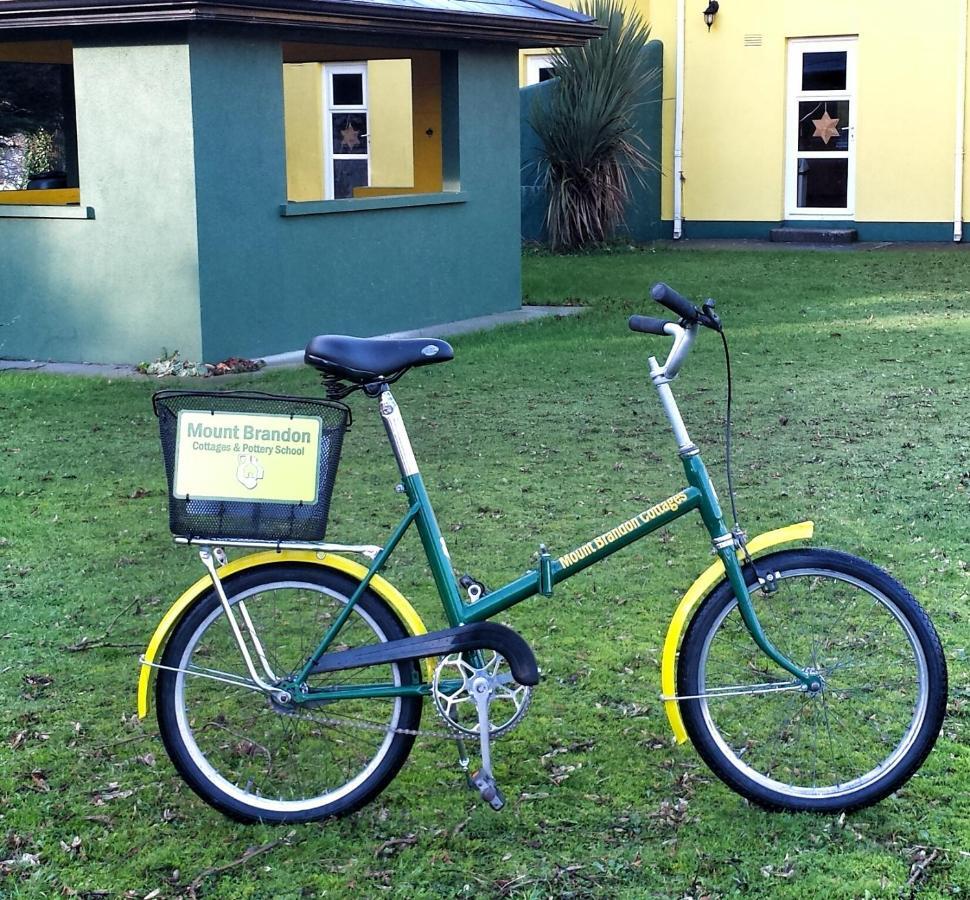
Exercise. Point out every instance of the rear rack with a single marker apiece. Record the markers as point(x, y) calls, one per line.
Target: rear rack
point(368, 550)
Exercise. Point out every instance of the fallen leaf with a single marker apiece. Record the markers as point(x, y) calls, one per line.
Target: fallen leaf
point(74, 848)
point(39, 780)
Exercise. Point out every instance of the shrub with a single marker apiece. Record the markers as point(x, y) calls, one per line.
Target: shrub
point(590, 146)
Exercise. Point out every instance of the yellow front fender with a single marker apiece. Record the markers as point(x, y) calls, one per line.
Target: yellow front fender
point(384, 589)
point(698, 590)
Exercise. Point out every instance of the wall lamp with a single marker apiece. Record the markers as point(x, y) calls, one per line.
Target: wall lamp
point(710, 13)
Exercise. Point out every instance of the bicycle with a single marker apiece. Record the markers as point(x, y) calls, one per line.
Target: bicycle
point(290, 682)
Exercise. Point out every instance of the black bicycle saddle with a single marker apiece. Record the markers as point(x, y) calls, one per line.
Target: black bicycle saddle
point(366, 360)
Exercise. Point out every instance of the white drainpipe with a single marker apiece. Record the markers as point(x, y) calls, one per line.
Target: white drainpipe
point(961, 113)
point(679, 123)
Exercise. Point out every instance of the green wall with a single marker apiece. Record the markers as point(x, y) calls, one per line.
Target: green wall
point(271, 282)
point(120, 286)
point(182, 159)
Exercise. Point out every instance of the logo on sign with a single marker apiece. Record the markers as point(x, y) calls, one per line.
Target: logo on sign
point(249, 471)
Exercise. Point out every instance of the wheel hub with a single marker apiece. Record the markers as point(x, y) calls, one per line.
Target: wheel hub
point(817, 683)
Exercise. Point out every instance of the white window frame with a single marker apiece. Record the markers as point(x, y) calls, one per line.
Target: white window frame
point(329, 70)
point(533, 65)
point(797, 48)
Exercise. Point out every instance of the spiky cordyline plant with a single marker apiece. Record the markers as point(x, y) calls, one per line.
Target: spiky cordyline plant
point(590, 147)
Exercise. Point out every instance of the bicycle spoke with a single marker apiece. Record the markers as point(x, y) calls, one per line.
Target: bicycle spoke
point(267, 750)
point(815, 743)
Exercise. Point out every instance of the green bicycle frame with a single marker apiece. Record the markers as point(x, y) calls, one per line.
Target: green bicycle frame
point(699, 494)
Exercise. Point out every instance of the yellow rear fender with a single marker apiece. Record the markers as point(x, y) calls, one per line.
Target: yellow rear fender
point(384, 589)
point(803, 531)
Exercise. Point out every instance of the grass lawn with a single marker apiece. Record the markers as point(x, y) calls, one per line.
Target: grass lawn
point(851, 387)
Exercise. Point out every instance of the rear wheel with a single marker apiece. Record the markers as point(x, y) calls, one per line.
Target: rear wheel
point(250, 757)
point(845, 746)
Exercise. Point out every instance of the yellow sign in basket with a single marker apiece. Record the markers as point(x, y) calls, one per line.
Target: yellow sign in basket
point(254, 457)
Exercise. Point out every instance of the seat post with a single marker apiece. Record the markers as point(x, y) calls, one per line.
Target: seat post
point(397, 434)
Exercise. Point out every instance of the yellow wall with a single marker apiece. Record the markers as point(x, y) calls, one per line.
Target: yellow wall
point(735, 105)
point(302, 111)
point(735, 96)
point(304, 155)
point(390, 123)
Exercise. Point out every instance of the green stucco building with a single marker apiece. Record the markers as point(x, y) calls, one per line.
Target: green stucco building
point(231, 179)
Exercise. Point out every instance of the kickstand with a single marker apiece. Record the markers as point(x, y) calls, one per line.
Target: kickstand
point(483, 780)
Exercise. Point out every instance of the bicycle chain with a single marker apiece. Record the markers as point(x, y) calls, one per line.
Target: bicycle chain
point(451, 734)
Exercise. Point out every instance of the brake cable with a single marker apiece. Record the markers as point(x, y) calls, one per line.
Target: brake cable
point(740, 538)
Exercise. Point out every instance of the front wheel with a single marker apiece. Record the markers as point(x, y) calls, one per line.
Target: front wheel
point(258, 761)
point(849, 744)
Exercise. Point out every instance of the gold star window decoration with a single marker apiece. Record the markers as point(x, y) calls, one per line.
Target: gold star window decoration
point(349, 137)
point(826, 127)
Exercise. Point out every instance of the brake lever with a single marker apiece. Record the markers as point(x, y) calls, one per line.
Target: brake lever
point(713, 320)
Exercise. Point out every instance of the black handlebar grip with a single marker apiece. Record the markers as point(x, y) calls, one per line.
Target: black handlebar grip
point(648, 325)
point(667, 296)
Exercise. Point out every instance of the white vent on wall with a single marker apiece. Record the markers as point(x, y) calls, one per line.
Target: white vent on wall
point(752, 40)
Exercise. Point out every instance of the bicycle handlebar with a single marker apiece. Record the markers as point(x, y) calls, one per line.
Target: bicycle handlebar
point(689, 314)
point(676, 303)
point(649, 325)
point(683, 332)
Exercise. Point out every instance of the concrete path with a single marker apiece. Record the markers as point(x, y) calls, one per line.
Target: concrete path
point(295, 357)
point(856, 247)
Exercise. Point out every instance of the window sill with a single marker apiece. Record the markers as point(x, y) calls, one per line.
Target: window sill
point(363, 204)
point(21, 211)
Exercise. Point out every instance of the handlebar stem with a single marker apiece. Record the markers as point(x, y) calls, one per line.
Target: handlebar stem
point(683, 340)
point(662, 375)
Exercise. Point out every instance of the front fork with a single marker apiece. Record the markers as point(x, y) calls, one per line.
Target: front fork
point(724, 541)
point(750, 618)
point(727, 549)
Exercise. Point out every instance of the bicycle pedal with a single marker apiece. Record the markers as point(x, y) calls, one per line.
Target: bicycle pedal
point(489, 790)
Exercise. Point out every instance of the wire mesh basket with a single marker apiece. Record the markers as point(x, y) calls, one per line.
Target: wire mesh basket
point(245, 465)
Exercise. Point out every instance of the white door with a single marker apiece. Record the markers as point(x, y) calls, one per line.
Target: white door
point(820, 134)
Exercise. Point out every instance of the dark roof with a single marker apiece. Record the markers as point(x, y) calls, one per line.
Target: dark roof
point(534, 23)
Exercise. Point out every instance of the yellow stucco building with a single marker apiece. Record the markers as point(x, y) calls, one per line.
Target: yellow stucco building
point(842, 114)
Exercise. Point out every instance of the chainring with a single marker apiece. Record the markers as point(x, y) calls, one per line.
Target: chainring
point(451, 692)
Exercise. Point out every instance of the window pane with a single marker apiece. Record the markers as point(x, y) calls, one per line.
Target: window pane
point(824, 71)
point(823, 125)
point(823, 183)
point(348, 174)
point(349, 133)
point(348, 90)
point(546, 72)
point(33, 119)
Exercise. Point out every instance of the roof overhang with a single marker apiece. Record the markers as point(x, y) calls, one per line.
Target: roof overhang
point(566, 28)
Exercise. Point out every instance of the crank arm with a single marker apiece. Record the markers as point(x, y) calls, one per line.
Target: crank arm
point(483, 779)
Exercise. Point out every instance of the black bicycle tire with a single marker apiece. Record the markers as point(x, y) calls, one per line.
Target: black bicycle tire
point(165, 694)
point(707, 616)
